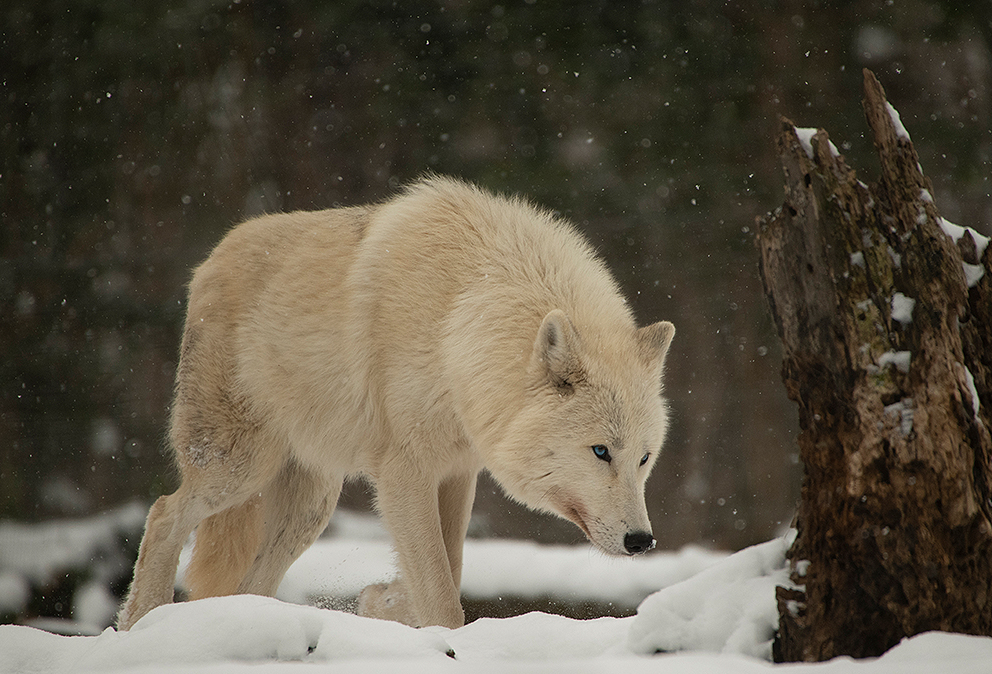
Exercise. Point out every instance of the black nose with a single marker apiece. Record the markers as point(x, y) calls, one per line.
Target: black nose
point(637, 542)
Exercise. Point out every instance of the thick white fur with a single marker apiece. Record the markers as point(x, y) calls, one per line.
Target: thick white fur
point(411, 343)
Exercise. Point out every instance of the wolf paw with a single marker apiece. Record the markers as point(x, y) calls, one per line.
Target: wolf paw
point(387, 602)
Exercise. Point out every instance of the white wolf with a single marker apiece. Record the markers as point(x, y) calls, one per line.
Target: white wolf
point(410, 343)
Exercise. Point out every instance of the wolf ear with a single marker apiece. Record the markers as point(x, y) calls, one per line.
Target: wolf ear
point(556, 350)
point(653, 341)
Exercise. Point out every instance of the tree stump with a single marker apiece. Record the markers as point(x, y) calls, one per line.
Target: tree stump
point(886, 323)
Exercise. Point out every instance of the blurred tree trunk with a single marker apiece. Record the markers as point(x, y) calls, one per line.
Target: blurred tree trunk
point(888, 353)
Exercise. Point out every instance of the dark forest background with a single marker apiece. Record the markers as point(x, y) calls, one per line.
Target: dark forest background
point(134, 134)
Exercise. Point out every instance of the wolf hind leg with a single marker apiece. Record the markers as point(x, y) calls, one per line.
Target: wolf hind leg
point(226, 544)
point(170, 521)
point(221, 504)
point(296, 508)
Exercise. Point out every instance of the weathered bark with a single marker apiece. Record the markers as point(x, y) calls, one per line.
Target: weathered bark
point(895, 524)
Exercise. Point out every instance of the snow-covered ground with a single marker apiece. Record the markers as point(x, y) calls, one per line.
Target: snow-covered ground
point(705, 612)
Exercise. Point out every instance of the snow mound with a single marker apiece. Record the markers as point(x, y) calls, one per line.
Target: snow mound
point(954, 652)
point(727, 608)
point(726, 614)
point(539, 637)
point(243, 628)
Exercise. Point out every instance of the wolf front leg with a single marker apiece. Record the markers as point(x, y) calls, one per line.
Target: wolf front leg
point(391, 601)
point(455, 497)
point(409, 505)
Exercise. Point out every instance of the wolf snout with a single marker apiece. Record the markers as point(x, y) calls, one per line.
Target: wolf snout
point(637, 542)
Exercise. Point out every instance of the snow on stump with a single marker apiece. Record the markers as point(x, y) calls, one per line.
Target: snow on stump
point(727, 608)
point(885, 314)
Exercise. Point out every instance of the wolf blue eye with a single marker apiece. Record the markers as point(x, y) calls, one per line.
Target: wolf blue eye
point(602, 452)
point(644, 459)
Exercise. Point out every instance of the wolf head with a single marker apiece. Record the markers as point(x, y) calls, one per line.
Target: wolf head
point(590, 431)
